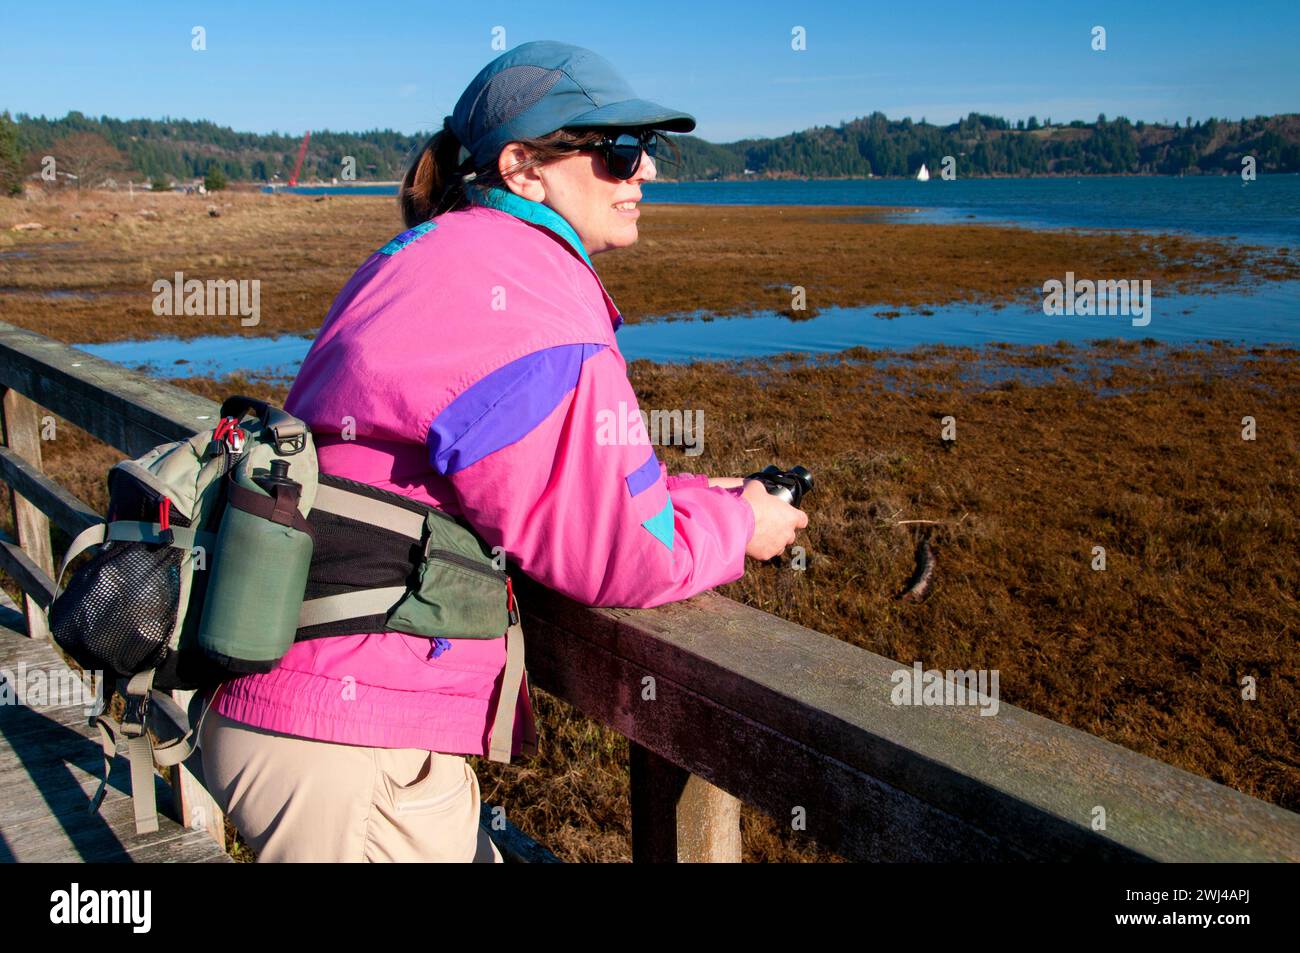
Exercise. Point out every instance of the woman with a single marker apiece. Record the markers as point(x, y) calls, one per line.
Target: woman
point(467, 364)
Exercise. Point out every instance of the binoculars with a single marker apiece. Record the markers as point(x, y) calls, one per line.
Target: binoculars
point(791, 485)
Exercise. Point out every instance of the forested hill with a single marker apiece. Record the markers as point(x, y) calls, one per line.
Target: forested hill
point(186, 149)
point(874, 145)
point(986, 145)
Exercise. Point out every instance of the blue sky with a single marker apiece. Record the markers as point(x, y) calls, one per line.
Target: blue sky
point(350, 66)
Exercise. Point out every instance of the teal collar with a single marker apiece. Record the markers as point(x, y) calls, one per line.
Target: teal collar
point(530, 211)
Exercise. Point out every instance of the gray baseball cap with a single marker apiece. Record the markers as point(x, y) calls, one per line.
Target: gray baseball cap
point(543, 86)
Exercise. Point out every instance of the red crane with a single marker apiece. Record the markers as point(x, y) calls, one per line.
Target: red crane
point(302, 152)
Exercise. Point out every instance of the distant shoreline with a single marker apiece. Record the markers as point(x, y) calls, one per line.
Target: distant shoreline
point(244, 186)
point(935, 177)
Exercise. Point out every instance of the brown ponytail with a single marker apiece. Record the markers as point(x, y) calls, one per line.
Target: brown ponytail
point(433, 180)
point(434, 183)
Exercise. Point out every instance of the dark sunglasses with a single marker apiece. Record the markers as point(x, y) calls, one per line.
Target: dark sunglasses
point(622, 151)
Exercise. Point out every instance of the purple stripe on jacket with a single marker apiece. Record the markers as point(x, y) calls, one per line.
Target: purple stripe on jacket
point(643, 476)
point(504, 406)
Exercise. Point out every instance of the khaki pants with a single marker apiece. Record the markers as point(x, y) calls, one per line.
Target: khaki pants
point(297, 799)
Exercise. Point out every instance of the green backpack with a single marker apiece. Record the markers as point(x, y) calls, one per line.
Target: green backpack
point(208, 569)
point(133, 611)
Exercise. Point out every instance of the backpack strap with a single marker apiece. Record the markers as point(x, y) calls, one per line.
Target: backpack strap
point(366, 509)
point(183, 537)
point(146, 707)
point(139, 531)
point(503, 722)
point(90, 536)
point(349, 605)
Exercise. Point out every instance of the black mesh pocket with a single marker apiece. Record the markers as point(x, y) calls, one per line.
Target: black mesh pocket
point(119, 609)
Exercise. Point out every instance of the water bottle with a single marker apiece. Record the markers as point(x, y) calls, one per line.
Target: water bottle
point(259, 574)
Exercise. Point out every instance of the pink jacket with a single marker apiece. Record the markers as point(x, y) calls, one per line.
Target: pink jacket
point(471, 364)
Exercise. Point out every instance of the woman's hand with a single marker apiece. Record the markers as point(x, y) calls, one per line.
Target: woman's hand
point(775, 520)
point(726, 482)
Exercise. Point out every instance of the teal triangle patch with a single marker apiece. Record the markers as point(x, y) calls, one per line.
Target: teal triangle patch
point(408, 236)
point(661, 525)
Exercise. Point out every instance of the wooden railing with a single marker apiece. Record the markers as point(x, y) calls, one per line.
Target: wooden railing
point(722, 703)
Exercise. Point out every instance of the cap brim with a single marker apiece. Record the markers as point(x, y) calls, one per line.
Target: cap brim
point(636, 112)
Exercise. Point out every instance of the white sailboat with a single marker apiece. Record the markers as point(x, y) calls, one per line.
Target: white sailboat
point(924, 174)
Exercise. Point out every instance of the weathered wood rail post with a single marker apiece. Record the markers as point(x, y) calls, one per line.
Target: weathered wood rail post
point(22, 437)
point(679, 817)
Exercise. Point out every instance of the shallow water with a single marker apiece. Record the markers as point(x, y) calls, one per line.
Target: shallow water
point(1267, 315)
point(57, 294)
